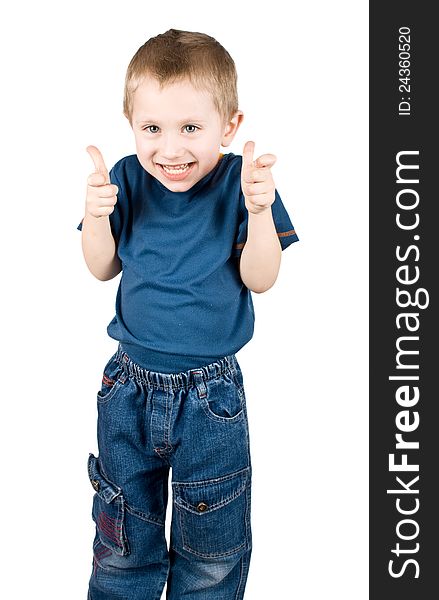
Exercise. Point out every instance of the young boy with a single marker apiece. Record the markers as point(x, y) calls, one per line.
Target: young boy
point(193, 231)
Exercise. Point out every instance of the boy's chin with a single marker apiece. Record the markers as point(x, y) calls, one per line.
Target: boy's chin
point(177, 186)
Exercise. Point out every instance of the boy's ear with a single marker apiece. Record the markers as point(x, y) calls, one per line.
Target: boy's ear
point(231, 128)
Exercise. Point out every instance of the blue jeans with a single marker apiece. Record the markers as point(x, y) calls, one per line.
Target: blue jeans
point(196, 423)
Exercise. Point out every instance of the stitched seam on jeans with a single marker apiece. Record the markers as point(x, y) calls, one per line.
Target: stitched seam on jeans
point(211, 415)
point(168, 416)
point(211, 554)
point(104, 399)
point(202, 483)
point(242, 579)
point(212, 507)
point(144, 517)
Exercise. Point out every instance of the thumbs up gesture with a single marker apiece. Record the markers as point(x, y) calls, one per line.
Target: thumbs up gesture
point(101, 194)
point(257, 180)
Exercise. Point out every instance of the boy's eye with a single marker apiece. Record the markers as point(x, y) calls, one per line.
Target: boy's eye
point(155, 128)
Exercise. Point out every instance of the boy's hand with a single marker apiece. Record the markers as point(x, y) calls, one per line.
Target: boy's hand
point(101, 194)
point(256, 180)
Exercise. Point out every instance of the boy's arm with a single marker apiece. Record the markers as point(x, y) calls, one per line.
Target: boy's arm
point(98, 244)
point(99, 247)
point(261, 255)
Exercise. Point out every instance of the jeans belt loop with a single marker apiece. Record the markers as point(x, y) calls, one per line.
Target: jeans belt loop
point(200, 384)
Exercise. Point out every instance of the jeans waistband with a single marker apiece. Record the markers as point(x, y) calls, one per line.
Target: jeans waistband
point(184, 379)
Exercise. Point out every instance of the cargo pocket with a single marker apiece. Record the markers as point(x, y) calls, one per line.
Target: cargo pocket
point(213, 516)
point(112, 378)
point(108, 509)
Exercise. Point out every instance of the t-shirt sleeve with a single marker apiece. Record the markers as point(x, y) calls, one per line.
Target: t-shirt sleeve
point(116, 215)
point(284, 227)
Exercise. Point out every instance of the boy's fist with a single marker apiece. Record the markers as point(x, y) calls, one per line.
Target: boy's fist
point(101, 194)
point(256, 179)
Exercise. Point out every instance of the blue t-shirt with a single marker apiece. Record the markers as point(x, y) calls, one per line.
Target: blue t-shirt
point(181, 303)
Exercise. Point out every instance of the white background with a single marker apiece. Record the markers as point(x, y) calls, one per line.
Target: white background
point(302, 77)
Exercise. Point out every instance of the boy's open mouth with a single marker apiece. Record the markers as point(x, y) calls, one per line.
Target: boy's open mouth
point(176, 172)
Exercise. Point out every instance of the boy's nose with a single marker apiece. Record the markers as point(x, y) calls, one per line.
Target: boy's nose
point(171, 149)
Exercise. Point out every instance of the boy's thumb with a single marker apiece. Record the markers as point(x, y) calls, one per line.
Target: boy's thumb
point(98, 161)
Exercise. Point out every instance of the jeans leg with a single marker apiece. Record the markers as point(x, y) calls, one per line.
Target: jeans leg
point(130, 556)
point(210, 531)
point(136, 569)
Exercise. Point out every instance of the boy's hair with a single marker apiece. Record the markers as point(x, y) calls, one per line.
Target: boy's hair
point(176, 55)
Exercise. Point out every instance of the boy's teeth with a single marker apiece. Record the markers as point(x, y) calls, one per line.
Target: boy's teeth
point(176, 167)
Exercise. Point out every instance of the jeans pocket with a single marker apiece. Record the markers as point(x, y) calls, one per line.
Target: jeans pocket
point(113, 376)
point(223, 401)
point(213, 516)
point(108, 509)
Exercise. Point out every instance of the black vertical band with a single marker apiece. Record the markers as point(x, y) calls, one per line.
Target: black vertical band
point(404, 269)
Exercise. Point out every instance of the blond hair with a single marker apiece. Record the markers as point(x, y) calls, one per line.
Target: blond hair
point(176, 55)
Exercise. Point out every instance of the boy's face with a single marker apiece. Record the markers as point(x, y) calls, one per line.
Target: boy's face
point(178, 132)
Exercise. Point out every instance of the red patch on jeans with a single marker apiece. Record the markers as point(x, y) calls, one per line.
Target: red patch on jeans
point(107, 381)
point(110, 527)
point(102, 552)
